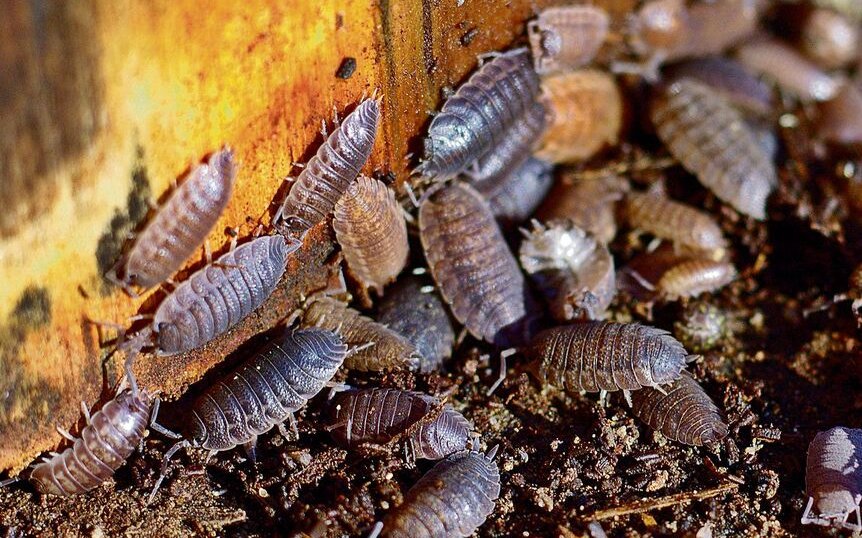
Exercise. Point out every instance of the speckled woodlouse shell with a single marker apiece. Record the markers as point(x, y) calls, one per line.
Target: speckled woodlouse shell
point(791, 71)
point(681, 411)
point(690, 278)
point(369, 225)
point(388, 350)
point(566, 37)
point(585, 110)
point(701, 327)
point(655, 213)
point(729, 78)
point(330, 171)
point(476, 118)
point(514, 198)
point(453, 499)
point(601, 355)
point(833, 478)
point(712, 142)
point(589, 203)
point(574, 272)
point(471, 263)
point(830, 39)
point(840, 119)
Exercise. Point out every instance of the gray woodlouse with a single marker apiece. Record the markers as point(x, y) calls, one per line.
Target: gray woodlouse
point(681, 411)
point(369, 225)
point(712, 142)
point(789, 70)
point(690, 278)
point(566, 37)
point(180, 226)
point(514, 198)
point(453, 499)
point(701, 327)
point(830, 39)
point(473, 267)
point(606, 356)
point(414, 310)
point(589, 203)
point(379, 348)
point(380, 415)
point(729, 78)
point(574, 272)
point(477, 116)
point(657, 214)
point(330, 172)
point(833, 481)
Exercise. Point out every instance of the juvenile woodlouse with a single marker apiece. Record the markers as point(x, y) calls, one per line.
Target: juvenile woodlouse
point(566, 37)
point(377, 347)
point(413, 309)
point(589, 203)
point(585, 110)
point(515, 197)
point(473, 267)
point(369, 225)
point(701, 327)
point(712, 142)
point(692, 277)
point(681, 411)
point(830, 39)
point(606, 356)
point(478, 115)
point(789, 70)
point(380, 415)
point(180, 226)
point(453, 499)
point(657, 214)
point(833, 478)
point(330, 172)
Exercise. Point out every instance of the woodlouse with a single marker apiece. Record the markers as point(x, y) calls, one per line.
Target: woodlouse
point(789, 70)
point(180, 226)
point(566, 37)
point(655, 213)
point(473, 267)
point(477, 116)
point(377, 347)
point(681, 411)
point(589, 203)
point(729, 78)
point(453, 499)
point(830, 39)
point(711, 141)
point(598, 356)
point(379, 415)
point(585, 110)
point(701, 327)
point(692, 277)
point(369, 225)
point(514, 198)
point(833, 481)
point(330, 172)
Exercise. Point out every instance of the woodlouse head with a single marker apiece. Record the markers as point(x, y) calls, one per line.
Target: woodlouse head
point(669, 359)
point(461, 137)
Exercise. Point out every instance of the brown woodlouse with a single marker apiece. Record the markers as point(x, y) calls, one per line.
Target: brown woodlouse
point(655, 213)
point(472, 265)
point(574, 272)
point(369, 225)
point(514, 198)
point(413, 309)
point(830, 39)
point(598, 356)
point(789, 70)
point(453, 499)
point(711, 141)
point(330, 172)
point(478, 115)
point(585, 110)
point(380, 415)
point(179, 227)
point(566, 37)
point(378, 347)
point(833, 481)
point(589, 203)
point(681, 411)
point(692, 277)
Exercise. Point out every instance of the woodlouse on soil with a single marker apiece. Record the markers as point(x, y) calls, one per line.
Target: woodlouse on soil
point(329, 173)
point(379, 415)
point(566, 37)
point(657, 214)
point(692, 277)
point(179, 227)
point(729, 78)
point(701, 327)
point(589, 203)
point(791, 71)
point(833, 481)
point(514, 198)
point(473, 267)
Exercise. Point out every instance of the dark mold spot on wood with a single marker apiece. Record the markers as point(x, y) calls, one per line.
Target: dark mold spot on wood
point(469, 36)
point(347, 68)
point(33, 309)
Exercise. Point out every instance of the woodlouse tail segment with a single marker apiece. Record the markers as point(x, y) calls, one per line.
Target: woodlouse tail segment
point(164, 469)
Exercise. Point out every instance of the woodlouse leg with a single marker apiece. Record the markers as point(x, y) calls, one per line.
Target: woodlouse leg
point(356, 349)
point(805, 514)
point(410, 194)
point(65, 433)
point(164, 470)
point(376, 530)
point(503, 355)
point(208, 253)
point(282, 430)
point(251, 449)
point(323, 128)
point(86, 411)
point(158, 427)
point(293, 427)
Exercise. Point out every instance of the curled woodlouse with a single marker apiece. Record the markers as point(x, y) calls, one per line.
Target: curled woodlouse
point(472, 265)
point(585, 110)
point(566, 37)
point(657, 214)
point(574, 272)
point(380, 415)
point(692, 277)
point(701, 327)
point(515, 197)
point(789, 70)
point(180, 226)
point(712, 142)
point(729, 78)
point(833, 478)
point(830, 39)
point(413, 309)
point(330, 172)
point(476, 117)
point(453, 499)
point(681, 411)
point(369, 225)
point(589, 203)
point(606, 356)
point(839, 119)
point(378, 347)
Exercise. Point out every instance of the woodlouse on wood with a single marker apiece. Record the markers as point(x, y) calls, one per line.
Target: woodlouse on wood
point(681, 411)
point(566, 37)
point(514, 198)
point(473, 267)
point(693, 277)
point(589, 203)
point(655, 213)
point(329, 173)
point(833, 478)
point(711, 141)
point(179, 227)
